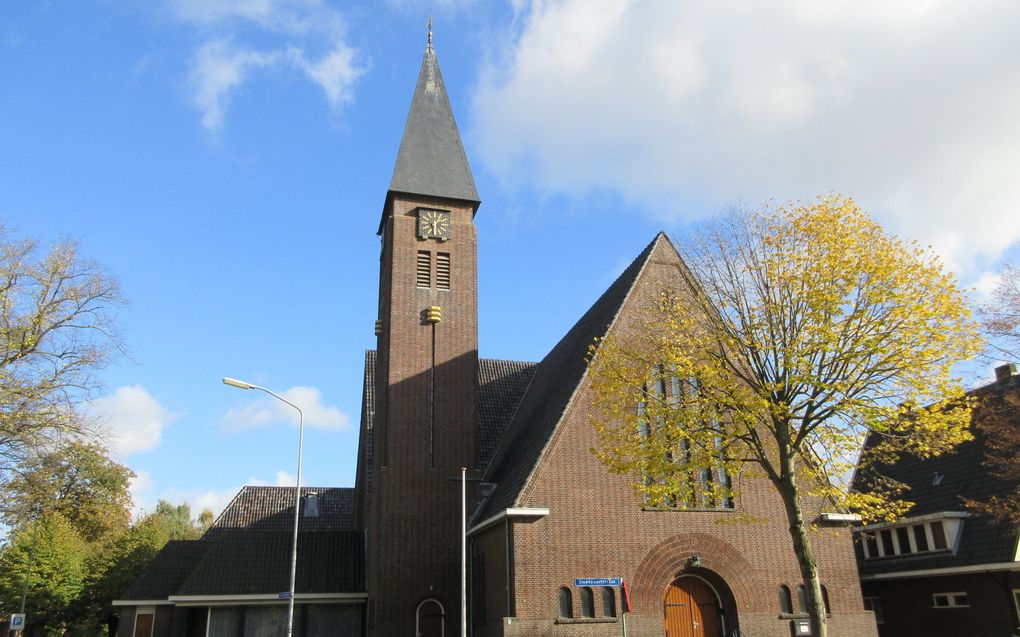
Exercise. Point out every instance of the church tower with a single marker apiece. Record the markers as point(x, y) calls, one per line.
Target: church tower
point(426, 373)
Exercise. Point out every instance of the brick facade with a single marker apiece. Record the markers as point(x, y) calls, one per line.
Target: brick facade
point(596, 528)
point(427, 378)
point(544, 509)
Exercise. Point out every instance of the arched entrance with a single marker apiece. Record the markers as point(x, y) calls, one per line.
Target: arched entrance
point(692, 608)
point(431, 619)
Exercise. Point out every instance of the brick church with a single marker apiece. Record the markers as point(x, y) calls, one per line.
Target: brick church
point(552, 536)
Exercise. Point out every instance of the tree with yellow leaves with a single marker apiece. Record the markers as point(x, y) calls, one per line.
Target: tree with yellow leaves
point(800, 331)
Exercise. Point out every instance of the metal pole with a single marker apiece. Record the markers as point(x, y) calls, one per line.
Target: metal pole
point(297, 492)
point(463, 552)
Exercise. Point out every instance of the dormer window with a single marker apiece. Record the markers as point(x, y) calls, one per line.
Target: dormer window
point(312, 505)
point(936, 479)
point(936, 532)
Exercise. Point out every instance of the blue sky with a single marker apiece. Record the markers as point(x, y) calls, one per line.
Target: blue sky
point(228, 161)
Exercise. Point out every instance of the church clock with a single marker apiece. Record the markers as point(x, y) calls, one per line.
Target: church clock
point(433, 224)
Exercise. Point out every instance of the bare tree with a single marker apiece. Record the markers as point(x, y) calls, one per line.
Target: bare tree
point(57, 329)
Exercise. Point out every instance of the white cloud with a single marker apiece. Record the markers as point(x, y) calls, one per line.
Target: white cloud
point(335, 72)
point(268, 411)
point(683, 107)
point(131, 420)
point(219, 69)
point(284, 479)
point(302, 35)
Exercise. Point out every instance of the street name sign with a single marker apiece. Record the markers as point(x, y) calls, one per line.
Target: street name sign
point(597, 581)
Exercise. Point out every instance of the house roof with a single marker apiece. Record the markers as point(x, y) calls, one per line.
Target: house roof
point(431, 160)
point(247, 549)
point(248, 562)
point(271, 508)
point(553, 384)
point(962, 476)
point(165, 573)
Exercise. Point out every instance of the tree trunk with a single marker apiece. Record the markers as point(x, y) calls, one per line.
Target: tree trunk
point(790, 492)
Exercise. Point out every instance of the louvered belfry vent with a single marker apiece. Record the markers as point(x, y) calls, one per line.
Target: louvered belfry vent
point(424, 278)
point(443, 270)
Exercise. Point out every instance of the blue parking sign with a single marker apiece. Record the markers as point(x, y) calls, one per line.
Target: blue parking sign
point(17, 621)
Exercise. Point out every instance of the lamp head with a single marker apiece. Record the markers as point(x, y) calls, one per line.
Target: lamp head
point(233, 382)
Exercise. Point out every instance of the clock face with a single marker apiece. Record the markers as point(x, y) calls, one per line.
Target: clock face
point(433, 224)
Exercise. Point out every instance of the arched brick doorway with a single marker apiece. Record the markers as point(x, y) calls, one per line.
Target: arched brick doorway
point(692, 608)
point(431, 619)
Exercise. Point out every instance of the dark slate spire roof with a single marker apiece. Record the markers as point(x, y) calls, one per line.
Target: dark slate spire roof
point(552, 387)
point(431, 160)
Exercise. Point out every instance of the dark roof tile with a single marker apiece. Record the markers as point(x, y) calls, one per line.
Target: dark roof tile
point(271, 508)
point(554, 382)
point(165, 573)
point(251, 562)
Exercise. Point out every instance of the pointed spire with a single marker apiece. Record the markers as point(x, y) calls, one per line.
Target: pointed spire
point(431, 160)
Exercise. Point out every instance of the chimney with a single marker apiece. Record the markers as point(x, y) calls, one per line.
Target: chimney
point(1004, 372)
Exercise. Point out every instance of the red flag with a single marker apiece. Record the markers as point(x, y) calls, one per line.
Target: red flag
point(626, 598)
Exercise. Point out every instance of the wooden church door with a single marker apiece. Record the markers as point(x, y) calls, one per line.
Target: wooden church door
point(431, 619)
point(691, 609)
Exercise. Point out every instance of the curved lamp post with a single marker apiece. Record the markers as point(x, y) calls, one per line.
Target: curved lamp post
point(233, 382)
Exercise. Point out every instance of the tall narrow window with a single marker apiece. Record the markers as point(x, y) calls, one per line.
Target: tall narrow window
point(887, 543)
point(870, 544)
point(443, 270)
point(608, 601)
point(785, 603)
point(802, 599)
point(920, 537)
point(566, 603)
point(424, 277)
point(825, 600)
point(938, 535)
point(587, 602)
point(903, 537)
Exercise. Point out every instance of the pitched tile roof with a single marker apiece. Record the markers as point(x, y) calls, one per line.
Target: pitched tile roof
point(554, 382)
point(963, 476)
point(272, 508)
point(501, 384)
point(165, 573)
point(250, 562)
point(247, 550)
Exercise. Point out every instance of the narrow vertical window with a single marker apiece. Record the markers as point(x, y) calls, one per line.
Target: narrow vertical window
point(424, 276)
point(785, 603)
point(920, 538)
point(938, 535)
point(802, 599)
point(608, 601)
point(587, 602)
point(887, 543)
point(566, 603)
point(825, 600)
point(903, 537)
point(870, 544)
point(443, 270)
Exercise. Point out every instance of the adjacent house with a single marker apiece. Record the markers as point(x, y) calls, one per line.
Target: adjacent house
point(944, 570)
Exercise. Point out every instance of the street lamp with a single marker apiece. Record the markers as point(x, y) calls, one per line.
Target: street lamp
point(233, 382)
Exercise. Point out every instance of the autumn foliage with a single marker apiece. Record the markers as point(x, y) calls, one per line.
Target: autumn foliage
point(800, 331)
